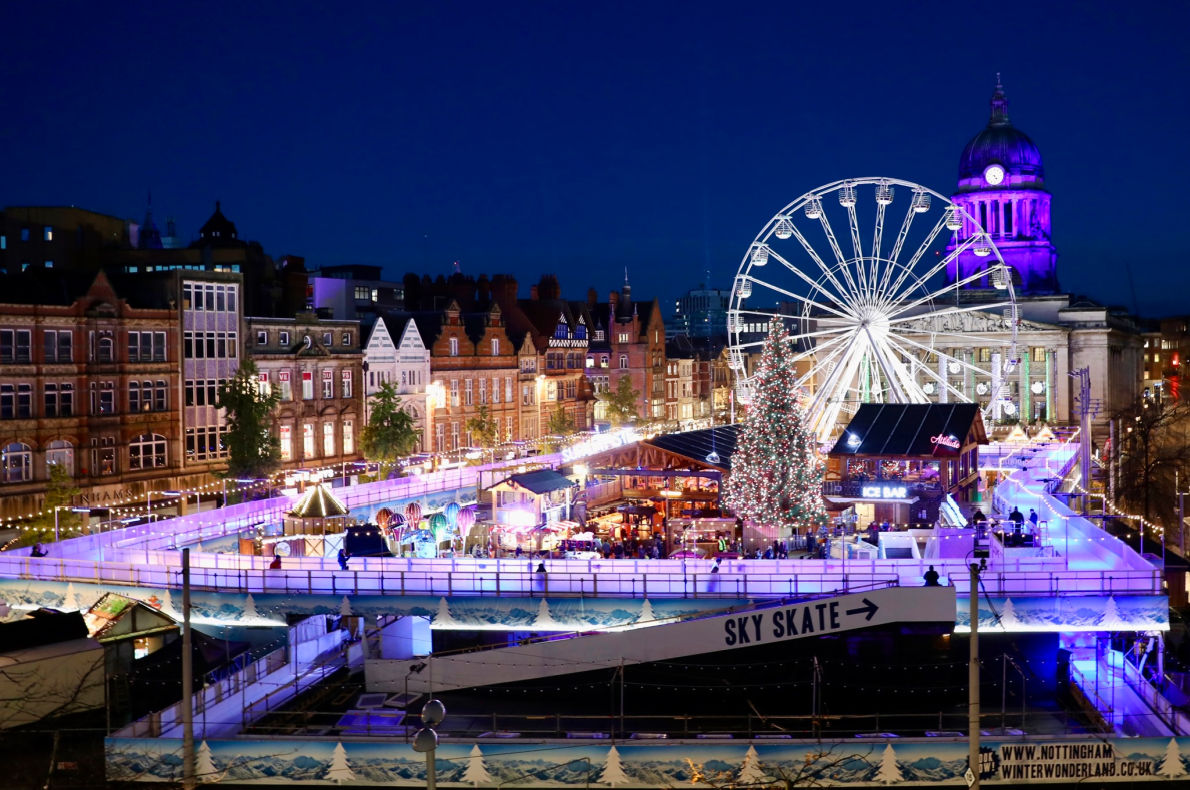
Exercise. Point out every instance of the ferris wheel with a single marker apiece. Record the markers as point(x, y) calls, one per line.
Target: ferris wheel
point(891, 318)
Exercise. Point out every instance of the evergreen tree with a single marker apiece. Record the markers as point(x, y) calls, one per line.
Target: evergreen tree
point(776, 473)
point(1171, 763)
point(339, 771)
point(443, 615)
point(889, 773)
point(476, 773)
point(389, 434)
point(204, 766)
point(622, 402)
point(60, 491)
point(646, 612)
point(750, 771)
point(613, 769)
point(253, 450)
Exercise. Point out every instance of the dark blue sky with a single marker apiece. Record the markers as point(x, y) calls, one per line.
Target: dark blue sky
point(580, 138)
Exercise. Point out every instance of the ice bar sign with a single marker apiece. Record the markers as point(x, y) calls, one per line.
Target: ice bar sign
point(883, 492)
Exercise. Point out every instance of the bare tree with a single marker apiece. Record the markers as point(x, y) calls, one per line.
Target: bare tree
point(1154, 450)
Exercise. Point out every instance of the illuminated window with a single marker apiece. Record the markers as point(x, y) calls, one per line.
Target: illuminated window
point(147, 451)
point(307, 440)
point(286, 443)
point(328, 439)
point(348, 437)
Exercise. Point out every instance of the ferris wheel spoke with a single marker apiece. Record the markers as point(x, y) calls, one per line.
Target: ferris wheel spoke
point(959, 360)
point(918, 364)
point(957, 285)
point(803, 299)
point(843, 371)
point(799, 356)
point(945, 261)
point(880, 352)
point(827, 271)
point(902, 233)
point(895, 288)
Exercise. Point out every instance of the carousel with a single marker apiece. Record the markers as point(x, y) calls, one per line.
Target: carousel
point(313, 528)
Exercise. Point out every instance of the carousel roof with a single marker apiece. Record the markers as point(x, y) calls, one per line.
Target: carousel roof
point(318, 502)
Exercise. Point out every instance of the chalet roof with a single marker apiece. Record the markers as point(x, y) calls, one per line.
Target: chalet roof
point(542, 481)
point(697, 445)
point(910, 429)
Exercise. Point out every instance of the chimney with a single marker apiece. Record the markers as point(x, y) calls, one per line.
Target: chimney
point(612, 299)
point(533, 292)
point(592, 297)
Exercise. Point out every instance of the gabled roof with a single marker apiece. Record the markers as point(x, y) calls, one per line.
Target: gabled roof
point(911, 429)
point(542, 481)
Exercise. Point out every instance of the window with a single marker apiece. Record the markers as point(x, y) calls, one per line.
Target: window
point(495, 346)
point(16, 402)
point(307, 385)
point(468, 400)
point(286, 386)
point(24, 234)
point(59, 400)
point(1039, 353)
point(363, 293)
point(147, 451)
point(454, 392)
point(985, 354)
point(495, 390)
point(15, 345)
point(348, 437)
point(580, 332)
point(60, 452)
point(103, 455)
point(561, 331)
point(508, 389)
point(48, 264)
point(328, 384)
point(105, 351)
point(346, 378)
point(623, 337)
point(307, 440)
point(345, 340)
point(623, 362)
point(262, 337)
point(603, 360)
point(328, 439)
point(454, 346)
point(508, 429)
point(283, 338)
point(58, 345)
point(160, 396)
point(103, 397)
point(454, 436)
point(328, 339)
point(440, 437)
point(551, 391)
point(286, 443)
point(483, 392)
point(526, 394)
point(16, 463)
point(47, 233)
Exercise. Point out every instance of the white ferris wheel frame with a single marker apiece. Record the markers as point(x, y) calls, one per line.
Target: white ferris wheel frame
point(869, 325)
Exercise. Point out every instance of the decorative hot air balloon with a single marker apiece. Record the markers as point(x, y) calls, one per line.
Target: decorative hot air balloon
point(384, 516)
point(466, 518)
point(452, 512)
point(413, 512)
point(439, 526)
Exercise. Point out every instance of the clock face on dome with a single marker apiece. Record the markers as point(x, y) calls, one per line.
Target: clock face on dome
point(994, 175)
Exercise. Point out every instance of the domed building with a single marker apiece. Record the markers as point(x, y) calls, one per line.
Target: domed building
point(1002, 186)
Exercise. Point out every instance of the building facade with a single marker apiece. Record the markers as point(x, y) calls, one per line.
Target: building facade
point(89, 383)
point(395, 354)
point(316, 369)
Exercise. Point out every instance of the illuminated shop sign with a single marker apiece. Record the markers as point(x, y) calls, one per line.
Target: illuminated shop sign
point(949, 441)
point(883, 492)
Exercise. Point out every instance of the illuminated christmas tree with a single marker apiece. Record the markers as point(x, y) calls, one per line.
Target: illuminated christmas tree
point(776, 473)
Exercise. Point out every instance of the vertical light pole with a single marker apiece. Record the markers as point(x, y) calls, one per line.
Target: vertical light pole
point(973, 683)
point(187, 680)
point(426, 740)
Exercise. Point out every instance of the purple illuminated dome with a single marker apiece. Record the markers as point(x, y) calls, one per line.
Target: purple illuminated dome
point(1001, 143)
point(1002, 187)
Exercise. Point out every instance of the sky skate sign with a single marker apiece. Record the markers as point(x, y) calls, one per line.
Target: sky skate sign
point(1071, 762)
point(833, 615)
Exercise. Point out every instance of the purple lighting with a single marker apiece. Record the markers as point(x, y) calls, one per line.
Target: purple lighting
point(1002, 188)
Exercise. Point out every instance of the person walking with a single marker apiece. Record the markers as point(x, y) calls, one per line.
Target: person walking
point(343, 557)
point(931, 577)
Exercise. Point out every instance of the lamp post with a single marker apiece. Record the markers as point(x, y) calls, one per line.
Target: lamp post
point(426, 740)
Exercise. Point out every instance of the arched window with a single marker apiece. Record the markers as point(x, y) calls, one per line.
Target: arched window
point(106, 349)
point(60, 452)
point(147, 451)
point(16, 463)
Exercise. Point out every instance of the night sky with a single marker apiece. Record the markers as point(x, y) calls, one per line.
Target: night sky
point(580, 138)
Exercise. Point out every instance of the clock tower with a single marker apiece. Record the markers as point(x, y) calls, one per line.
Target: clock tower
point(1002, 186)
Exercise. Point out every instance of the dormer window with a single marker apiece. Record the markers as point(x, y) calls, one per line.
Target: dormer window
point(495, 346)
point(562, 330)
point(454, 346)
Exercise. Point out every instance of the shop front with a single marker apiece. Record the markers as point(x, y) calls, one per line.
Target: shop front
point(899, 465)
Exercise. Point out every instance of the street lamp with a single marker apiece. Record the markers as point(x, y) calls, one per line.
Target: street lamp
point(426, 740)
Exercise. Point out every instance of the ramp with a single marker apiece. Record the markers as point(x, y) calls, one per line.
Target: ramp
point(568, 654)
